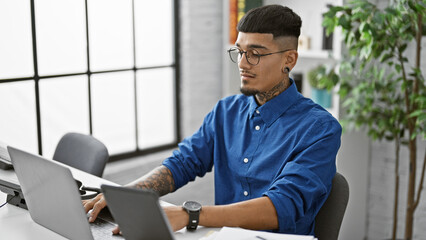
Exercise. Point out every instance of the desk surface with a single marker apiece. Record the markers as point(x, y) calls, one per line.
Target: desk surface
point(16, 223)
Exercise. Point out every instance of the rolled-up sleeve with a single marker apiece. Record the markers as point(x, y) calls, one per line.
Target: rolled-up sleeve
point(292, 194)
point(304, 183)
point(194, 156)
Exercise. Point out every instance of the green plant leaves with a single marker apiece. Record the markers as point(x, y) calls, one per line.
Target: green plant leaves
point(378, 90)
point(323, 77)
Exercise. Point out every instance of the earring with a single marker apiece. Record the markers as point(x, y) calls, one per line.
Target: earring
point(286, 70)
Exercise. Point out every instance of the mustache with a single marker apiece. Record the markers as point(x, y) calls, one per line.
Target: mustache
point(244, 72)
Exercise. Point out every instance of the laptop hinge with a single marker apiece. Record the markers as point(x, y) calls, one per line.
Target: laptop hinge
point(14, 196)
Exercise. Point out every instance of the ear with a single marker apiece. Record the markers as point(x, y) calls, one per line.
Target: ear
point(290, 59)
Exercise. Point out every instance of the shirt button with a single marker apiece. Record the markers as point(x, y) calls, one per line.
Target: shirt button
point(245, 193)
point(257, 111)
point(245, 160)
point(257, 128)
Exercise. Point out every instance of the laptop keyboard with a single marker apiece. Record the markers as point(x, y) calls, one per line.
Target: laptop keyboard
point(102, 229)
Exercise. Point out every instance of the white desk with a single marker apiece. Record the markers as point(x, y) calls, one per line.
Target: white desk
point(16, 223)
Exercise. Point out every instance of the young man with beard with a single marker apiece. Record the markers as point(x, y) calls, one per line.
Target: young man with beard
point(273, 150)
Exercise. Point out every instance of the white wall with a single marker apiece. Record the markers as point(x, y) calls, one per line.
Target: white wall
point(381, 192)
point(201, 60)
point(353, 161)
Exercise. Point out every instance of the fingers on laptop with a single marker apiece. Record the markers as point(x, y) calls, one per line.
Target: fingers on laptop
point(96, 204)
point(116, 231)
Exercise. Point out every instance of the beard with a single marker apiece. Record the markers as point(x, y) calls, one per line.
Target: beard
point(249, 92)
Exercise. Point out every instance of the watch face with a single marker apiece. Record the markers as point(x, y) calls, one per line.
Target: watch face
point(192, 206)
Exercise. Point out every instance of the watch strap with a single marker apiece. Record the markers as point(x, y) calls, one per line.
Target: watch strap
point(193, 220)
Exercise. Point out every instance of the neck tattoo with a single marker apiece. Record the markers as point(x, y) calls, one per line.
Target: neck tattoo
point(263, 97)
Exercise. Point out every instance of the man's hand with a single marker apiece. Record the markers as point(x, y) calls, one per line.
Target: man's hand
point(95, 204)
point(116, 231)
point(178, 217)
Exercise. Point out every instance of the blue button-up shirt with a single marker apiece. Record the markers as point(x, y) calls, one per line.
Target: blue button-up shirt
point(285, 150)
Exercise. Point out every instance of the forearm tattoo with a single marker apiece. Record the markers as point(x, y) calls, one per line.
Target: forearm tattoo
point(159, 180)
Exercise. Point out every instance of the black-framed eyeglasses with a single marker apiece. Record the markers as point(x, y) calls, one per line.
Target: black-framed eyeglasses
point(252, 55)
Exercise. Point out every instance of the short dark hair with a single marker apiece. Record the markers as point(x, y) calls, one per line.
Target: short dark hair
point(276, 19)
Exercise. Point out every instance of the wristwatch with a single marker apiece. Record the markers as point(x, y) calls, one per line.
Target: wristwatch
point(193, 209)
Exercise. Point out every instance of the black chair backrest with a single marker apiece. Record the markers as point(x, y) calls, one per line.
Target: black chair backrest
point(329, 218)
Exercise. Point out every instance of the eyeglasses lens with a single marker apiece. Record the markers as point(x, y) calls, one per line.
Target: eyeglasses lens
point(251, 55)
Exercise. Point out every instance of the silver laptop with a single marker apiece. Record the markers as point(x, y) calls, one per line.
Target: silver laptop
point(4, 157)
point(142, 217)
point(53, 199)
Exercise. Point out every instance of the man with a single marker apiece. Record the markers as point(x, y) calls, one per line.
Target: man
point(273, 150)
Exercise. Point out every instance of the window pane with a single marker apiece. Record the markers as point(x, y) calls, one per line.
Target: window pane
point(111, 34)
point(156, 122)
point(61, 36)
point(18, 124)
point(154, 32)
point(16, 57)
point(113, 110)
point(64, 107)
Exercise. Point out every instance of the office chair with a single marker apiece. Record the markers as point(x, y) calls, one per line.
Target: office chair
point(330, 216)
point(83, 152)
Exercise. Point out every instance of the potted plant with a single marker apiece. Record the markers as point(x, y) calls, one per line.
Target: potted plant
point(382, 89)
point(322, 80)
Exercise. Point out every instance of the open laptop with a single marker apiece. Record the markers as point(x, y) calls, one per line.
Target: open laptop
point(141, 217)
point(4, 157)
point(53, 199)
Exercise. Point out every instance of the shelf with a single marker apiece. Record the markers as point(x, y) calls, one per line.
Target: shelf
point(315, 54)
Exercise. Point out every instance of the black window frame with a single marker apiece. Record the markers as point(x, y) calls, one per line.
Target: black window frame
point(175, 66)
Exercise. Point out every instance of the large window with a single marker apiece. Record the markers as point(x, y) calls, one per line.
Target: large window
point(101, 67)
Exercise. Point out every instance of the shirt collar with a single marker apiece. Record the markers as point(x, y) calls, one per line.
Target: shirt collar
point(274, 108)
